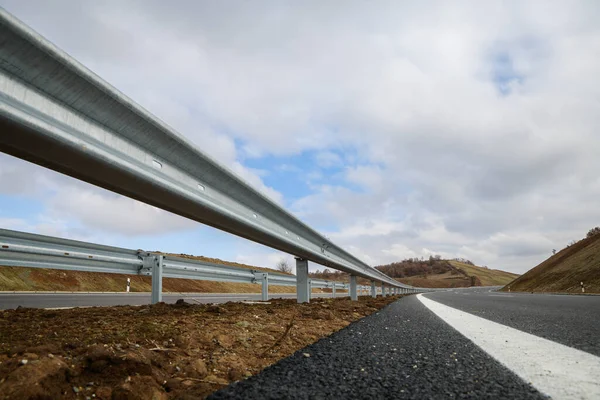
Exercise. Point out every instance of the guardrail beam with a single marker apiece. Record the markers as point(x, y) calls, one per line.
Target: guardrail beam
point(302, 282)
point(60, 115)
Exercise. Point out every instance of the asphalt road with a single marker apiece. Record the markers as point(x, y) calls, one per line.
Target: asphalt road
point(408, 351)
point(567, 319)
point(59, 300)
point(401, 352)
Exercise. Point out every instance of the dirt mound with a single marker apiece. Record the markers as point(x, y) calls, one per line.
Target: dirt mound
point(565, 270)
point(160, 351)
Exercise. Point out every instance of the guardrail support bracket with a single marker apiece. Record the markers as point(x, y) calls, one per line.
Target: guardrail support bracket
point(302, 282)
point(353, 294)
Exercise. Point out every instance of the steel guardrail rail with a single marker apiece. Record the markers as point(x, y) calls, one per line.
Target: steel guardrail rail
point(21, 249)
point(57, 113)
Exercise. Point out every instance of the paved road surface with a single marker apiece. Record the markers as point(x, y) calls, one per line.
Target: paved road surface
point(571, 320)
point(52, 300)
point(409, 350)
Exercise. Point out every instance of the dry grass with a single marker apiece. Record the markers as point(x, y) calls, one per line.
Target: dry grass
point(564, 271)
point(488, 277)
point(34, 279)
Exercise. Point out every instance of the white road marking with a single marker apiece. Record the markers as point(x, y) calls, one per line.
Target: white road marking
point(556, 370)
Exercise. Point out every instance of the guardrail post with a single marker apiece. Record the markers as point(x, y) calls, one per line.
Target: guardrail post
point(302, 284)
point(373, 289)
point(157, 270)
point(264, 282)
point(382, 289)
point(353, 294)
point(333, 289)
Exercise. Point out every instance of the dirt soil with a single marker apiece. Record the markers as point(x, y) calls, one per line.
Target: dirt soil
point(180, 351)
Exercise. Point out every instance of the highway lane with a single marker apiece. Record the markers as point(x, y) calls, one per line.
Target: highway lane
point(58, 300)
point(568, 319)
point(404, 351)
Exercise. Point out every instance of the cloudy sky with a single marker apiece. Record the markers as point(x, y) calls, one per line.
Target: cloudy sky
point(398, 129)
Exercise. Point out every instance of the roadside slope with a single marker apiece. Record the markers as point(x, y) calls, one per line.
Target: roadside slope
point(36, 279)
point(564, 271)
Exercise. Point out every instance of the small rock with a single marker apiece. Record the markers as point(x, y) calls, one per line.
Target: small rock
point(197, 368)
point(104, 392)
point(225, 341)
point(75, 389)
point(306, 355)
point(215, 309)
point(23, 362)
point(177, 368)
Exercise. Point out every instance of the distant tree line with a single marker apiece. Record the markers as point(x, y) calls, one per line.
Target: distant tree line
point(593, 232)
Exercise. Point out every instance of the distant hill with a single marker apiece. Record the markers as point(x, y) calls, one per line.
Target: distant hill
point(563, 272)
point(438, 273)
point(434, 273)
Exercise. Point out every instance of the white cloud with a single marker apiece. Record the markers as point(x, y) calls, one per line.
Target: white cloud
point(471, 128)
point(367, 176)
point(328, 159)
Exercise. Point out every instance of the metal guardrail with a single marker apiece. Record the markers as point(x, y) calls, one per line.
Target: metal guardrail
point(20, 249)
point(58, 114)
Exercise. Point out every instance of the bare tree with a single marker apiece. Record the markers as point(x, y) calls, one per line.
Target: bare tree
point(283, 266)
point(593, 232)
